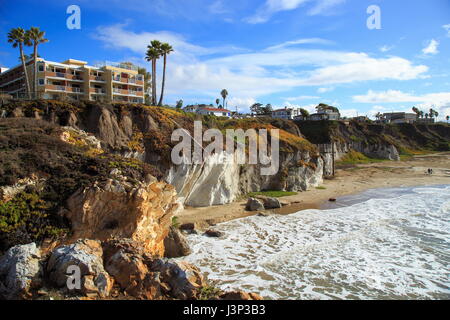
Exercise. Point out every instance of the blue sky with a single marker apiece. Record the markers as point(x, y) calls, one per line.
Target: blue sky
point(283, 52)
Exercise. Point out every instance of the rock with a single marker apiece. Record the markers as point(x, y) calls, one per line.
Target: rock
point(240, 295)
point(332, 200)
point(88, 256)
point(187, 226)
point(120, 209)
point(262, 214)
point(184, 279)
point(20, 271)
point(127, 262)
point(175, 244)
point(145, 277)
point(285, 203)
point(270, 203)
point(213, 233)
point(254, 205)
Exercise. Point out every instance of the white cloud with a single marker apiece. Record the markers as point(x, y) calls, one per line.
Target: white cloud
point(439, 101)
point(218, 7)
point(325, 89)
point(386, 48)
point(197, 71)
point(447, 28)
point(431, 48)
point(242, 104)
point(301, 41)
point(324, 7)
point(301, 98)
point(270, 7)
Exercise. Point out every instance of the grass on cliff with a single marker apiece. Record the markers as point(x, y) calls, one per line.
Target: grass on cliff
point(33, 148)
point(353, 157)
point(272, 194)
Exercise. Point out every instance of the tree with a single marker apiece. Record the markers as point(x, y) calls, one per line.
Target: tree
point(256, 108)
point(18, 38)
point(165, 49)
point(224, 94)
point(416, 111)
point(378, 116)
point(267, 110)
point(304, 113)
point(147, 83)
point(217, 102)
point(448, 118)
point(421, 114)
point(153, 54)
point(36, 37)
point(179, 104)
point(426, 115)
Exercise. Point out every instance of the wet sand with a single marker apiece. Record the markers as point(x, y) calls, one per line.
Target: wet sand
point(347, 181)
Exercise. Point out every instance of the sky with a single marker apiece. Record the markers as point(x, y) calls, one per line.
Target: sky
point(295, 53)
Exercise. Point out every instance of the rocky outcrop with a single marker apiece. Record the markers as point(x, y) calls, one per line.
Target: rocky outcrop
point(87, 255)
point(270, 202)
point(222, 180)
point(240, 295)
point(20, 271)
point(175, 244)
point(121, 208)
point(254, 205)
point(144, 277)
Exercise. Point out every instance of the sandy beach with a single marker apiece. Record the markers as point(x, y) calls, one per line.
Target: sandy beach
point(347, 181)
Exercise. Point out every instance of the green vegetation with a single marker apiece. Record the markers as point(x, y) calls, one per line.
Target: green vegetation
point(273, 194)
point(208, 292)
point(354, 157)
point(175, 222)
point(25, 219)
point(321, 188)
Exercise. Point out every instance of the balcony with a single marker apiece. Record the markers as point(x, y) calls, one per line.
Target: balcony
point(97, 90)
point(61, 75)
point(121, 91)
point(96, 78)
point(53, 87)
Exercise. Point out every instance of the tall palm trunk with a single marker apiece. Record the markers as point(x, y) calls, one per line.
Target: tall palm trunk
point(27, 80)
point(163, 81)
point(35, 86)
point(154, 82)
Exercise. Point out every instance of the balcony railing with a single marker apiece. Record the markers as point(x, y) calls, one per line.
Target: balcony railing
point(97, 90)
point(96, 78)
point(63, 88)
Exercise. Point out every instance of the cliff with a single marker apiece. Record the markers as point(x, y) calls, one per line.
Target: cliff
point(144, 133)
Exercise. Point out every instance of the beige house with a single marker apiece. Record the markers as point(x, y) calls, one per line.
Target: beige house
point(76, 80)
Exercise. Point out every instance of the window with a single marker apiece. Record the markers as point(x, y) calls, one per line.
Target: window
point(41, 82)
point(41, 67)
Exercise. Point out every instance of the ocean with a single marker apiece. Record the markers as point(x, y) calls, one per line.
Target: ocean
point(380, 244)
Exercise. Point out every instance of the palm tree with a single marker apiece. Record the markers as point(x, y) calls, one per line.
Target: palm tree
point(448, 118)
point(153, 54)
point(147, 84)
point(378, 116)
point(224, 94)
point(165, 49)
point(217, 102)
point(36, 37)
point(18, 38)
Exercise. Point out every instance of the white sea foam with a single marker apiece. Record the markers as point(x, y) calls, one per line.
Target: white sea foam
point(396, 246)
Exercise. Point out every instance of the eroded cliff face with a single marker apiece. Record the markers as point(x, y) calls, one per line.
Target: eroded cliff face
point(219, 182)
point(143, 133)
point(118, 208)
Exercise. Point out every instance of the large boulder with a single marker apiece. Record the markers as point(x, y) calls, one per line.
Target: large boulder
point(120, 208)
point(270, 202)
point(87, 255)
point(145, 277)
point(254, 205)
point(20, 271)
point(175, 244)
point(240, 295)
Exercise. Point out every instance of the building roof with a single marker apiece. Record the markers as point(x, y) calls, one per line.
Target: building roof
point(215, 109)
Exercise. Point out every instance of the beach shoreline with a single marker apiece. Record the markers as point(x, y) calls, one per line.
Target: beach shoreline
point(348, 181)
